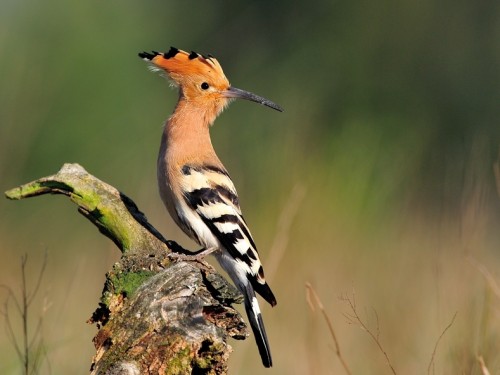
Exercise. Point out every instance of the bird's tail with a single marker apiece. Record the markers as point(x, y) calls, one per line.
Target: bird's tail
point(259, 331)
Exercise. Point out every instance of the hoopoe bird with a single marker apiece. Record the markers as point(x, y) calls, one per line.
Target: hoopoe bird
point(194, 185)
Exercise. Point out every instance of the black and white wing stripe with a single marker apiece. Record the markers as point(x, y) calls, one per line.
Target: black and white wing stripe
point(211, 212)
point(211, 194)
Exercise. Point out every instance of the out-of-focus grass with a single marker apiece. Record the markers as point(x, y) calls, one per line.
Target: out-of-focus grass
point(390, 127)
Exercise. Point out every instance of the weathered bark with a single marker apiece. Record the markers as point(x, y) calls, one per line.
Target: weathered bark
point(156, 316)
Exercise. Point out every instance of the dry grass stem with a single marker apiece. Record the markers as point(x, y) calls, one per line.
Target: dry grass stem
point(496, 172)
point(288, 214)
point(30, 352)
point(484, 369)
point(433, 356)
point(8, 324)
point(354, 318)
point(487, 275)
point(313, 300)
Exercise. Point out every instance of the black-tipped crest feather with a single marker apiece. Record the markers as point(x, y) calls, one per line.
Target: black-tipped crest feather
point(171, 53)
point(147, 55)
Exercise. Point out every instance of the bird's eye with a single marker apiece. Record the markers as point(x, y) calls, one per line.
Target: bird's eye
point(204, 86)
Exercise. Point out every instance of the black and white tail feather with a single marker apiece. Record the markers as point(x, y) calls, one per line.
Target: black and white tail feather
point(210, 213)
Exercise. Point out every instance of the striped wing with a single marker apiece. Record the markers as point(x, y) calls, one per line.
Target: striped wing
point(210, 193)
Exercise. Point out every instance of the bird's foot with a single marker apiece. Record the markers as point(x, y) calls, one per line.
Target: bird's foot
point(178, 253)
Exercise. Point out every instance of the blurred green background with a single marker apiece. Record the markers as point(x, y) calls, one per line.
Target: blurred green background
point(378, 179)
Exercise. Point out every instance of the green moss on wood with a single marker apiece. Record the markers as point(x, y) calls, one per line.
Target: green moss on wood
point(208, 355)
point(126, 283)
point(36, 188)
point(178, 364)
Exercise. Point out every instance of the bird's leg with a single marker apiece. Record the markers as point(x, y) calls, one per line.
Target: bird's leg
point(179, 253)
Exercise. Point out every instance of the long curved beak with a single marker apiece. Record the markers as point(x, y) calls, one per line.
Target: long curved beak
point(233, 92)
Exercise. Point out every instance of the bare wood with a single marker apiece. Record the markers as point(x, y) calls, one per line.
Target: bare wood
point(155, 316)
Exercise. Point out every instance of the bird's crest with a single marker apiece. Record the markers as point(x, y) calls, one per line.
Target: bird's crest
point(182, 66)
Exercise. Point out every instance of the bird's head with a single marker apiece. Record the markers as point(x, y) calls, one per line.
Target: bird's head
point(200, 79)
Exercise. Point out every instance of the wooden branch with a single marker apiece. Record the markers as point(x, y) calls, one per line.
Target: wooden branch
point(116, 215)
point(155, 315)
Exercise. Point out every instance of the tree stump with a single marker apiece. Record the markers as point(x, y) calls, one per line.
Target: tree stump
point(156, 315)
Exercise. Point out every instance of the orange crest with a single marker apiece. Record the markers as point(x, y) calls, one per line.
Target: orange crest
point(183, 67)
